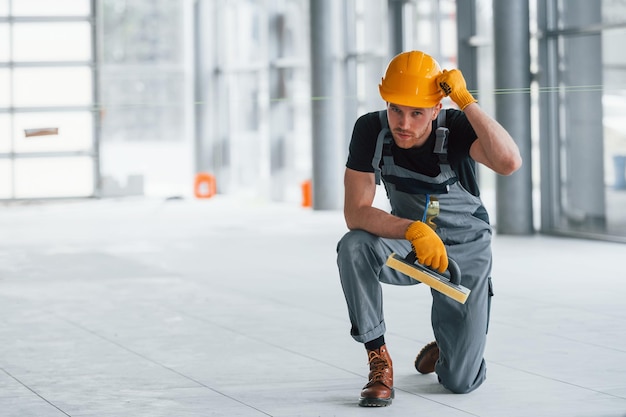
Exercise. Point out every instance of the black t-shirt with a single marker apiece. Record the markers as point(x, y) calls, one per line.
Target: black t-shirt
point(421, 160)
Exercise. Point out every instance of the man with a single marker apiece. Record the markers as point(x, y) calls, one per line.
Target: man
point(398, 146)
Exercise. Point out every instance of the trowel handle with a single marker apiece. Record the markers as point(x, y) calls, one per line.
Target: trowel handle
point(453, 267)
point(455, 271)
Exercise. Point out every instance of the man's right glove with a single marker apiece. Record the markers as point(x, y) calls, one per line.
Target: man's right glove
point(427, 245)
point(453, 84)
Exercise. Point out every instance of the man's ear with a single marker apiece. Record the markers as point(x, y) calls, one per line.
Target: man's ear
point(437, 110)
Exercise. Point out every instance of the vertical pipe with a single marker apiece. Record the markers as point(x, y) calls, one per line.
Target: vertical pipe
point(373, 64)
point(396, 26)
point(512, 63)
point(197, 89)
point(96, 21)
point(350, 86)
point(466, 52)
point(550, 162)
point(11, 94)
point(326, 106)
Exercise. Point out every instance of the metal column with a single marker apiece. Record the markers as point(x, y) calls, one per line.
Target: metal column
point(549, 154)
point(466, 50)
point(512, 79)
point(350, 71)
point(326, 108)
point(396, 26)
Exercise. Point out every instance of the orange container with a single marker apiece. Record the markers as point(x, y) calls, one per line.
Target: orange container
point(204, 185)
point(307, 193)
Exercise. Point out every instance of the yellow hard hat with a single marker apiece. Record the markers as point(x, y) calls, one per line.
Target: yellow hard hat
point(410, 80)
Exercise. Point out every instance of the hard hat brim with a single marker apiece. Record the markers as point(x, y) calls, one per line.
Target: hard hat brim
point(403, 99)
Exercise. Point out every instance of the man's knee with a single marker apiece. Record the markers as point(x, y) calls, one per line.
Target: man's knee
point(358, 257)
point(355, 243)
point(459, 387)
point(462, 382)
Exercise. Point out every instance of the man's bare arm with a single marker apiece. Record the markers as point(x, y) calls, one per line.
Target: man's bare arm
point(360, 189)
point(494, 148)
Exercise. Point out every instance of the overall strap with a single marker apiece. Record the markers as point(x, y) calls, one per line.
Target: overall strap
point(441, 138)
point(378, 152)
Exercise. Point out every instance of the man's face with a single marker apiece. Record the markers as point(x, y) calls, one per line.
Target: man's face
point(410, 126)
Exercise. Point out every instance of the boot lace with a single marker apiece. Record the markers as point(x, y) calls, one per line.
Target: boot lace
point(377, 366)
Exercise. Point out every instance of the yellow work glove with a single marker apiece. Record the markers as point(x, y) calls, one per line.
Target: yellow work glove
point(453, 84)
point(428, 247)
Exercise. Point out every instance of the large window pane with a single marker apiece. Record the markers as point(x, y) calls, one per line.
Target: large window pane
point(51, 7)
point(615, 160)
point(613, 11)
point(614, 61)
point(143, 105)
point(4, 42)
point(140, 32)
point(75, 132)
point(6, 178)
point(5, 87)
point(5, 133)
point(53, 177)
point(581, 133)
point(145, 76)
point(60, 84)
point(52, 87)
point(614, 109)
point(584, 121)
point(58, 41)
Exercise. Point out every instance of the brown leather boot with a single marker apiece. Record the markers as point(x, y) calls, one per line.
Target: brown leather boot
point(378, 392)
point(427, 358)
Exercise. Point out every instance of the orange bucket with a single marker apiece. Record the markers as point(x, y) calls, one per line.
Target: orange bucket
point(307, 194)
point(204, 185)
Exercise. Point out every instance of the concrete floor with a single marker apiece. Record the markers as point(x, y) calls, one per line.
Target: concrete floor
point(227, 307)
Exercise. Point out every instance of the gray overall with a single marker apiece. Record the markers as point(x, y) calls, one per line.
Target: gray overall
point(460, 329)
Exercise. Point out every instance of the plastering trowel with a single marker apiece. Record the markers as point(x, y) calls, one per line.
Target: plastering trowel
point(450, 287)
